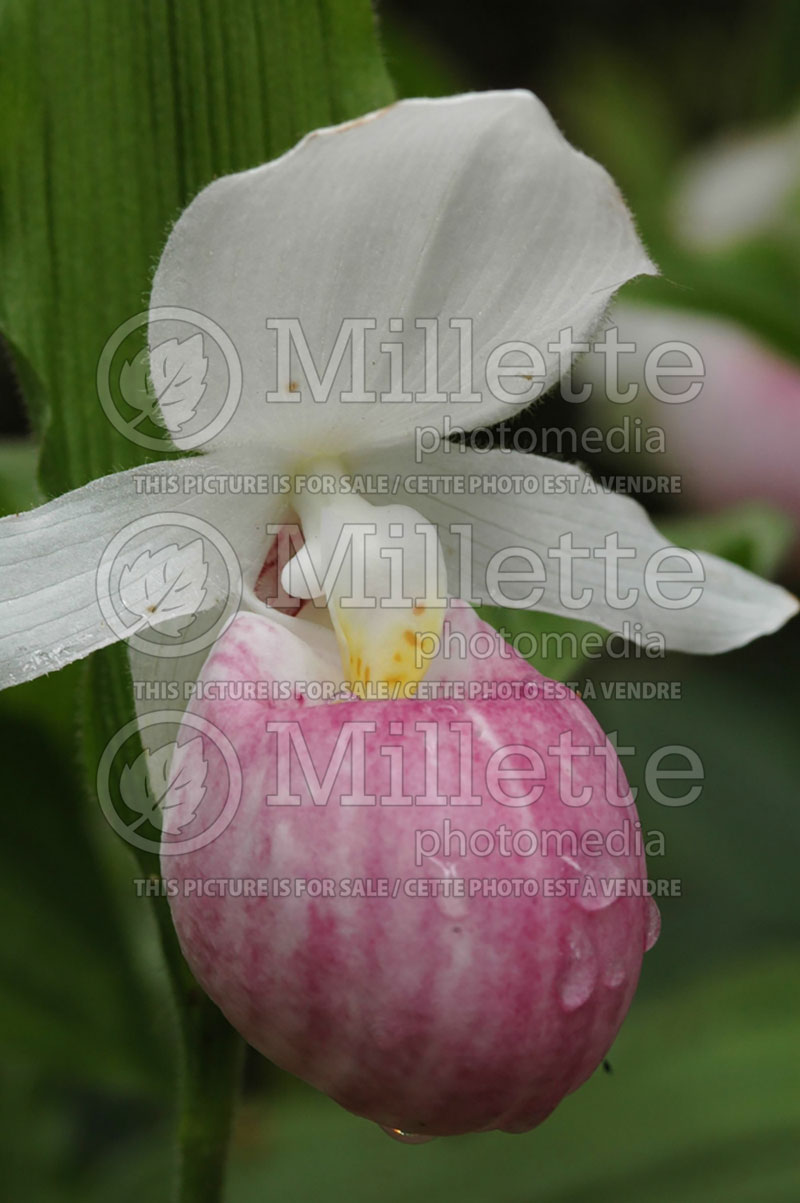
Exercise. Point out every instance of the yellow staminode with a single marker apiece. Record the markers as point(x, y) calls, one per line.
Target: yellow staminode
point(380, 572)
point(388, 653)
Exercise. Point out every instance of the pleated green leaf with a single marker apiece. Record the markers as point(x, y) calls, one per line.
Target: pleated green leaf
point(113, 116)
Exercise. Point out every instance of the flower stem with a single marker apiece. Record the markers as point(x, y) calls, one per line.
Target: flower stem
point(210, 1069)
point(212, 1054)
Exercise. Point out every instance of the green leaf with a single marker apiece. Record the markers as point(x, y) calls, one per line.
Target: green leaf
point(753, 534)
point(169, 96)
point(18, 488)
point(114, 116)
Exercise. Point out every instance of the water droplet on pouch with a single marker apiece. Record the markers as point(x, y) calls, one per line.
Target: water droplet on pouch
point(593, 900)
point(580, 975)
point(652, 923)
point(406, 1138)
point(597, 889)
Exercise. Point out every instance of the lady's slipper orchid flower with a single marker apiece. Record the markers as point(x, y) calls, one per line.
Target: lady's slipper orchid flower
point(427, 1012)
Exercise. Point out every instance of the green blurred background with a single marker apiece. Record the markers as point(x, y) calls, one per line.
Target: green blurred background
point(704, 1099)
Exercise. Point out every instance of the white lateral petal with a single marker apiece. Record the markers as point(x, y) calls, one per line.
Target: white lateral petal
point(471, 207)
point(120, 556)
point(723, 607)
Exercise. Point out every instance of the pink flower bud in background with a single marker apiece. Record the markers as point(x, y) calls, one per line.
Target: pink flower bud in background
point(736, 436)
point(425, 952)
point(739, 187)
